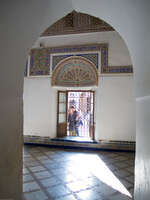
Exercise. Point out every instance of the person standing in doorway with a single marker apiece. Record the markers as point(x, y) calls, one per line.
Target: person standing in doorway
point(71, 121)
point(74, 121)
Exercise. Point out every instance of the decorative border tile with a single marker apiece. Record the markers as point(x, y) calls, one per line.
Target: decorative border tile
point(40, 58)
point(118, 69)
point(26, 69)
point(39, 63)
point(93, 57)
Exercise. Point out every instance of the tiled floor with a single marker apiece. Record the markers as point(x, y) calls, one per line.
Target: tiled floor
point(51, 174)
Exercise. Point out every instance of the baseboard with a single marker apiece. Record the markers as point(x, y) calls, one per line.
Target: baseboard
point(99, 145)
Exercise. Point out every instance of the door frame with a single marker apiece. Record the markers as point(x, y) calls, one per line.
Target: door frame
point(58, 124)
point(66, 92)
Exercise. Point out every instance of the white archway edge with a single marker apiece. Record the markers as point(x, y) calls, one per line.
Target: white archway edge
point(21, 23)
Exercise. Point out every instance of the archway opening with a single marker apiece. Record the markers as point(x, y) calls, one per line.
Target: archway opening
point(99, 44)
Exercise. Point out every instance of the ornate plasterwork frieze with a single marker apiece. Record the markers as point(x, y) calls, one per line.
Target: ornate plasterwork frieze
point(41, 59)
point(74, 23)
point(93, 57)
point(75, 71)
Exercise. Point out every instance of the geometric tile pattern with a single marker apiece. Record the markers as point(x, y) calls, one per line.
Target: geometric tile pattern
point(39, 63)
point(76, 22)
point(54, 173)
point(93, 57)
point(118, 69)
point(40, 58)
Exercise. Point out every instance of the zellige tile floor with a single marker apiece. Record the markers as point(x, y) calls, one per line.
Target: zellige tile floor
point(63, 174)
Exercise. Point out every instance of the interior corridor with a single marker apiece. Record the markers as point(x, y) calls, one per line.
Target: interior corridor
point(65, 174)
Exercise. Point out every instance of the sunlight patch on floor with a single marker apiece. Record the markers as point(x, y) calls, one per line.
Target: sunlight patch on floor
point(95, 165)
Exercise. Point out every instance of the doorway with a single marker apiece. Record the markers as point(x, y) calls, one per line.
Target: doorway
point(75, 114)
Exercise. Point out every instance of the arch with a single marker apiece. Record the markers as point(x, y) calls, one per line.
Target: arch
point(129, 24)
point(75, 71)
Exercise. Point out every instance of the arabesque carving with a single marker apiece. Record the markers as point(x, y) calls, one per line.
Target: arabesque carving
point(75, 71)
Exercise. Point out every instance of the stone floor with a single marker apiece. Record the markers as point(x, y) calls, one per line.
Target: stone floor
point(63, 174)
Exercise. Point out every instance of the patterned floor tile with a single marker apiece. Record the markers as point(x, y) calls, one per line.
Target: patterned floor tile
point(58, 174)
point(119, 197)
point(68, 197)
point(27, 178)
point(58, 191)
point(25, 171)
point(32, 164)
point(53, 181)
point(42, 175)
point(28, 187)
point(67, 178)
point(88, 195)
point(105, 189)
point(78, 186)
point(37, 168)
point(38, 195)
point(130, 179)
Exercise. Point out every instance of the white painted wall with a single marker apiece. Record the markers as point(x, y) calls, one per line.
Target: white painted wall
point(114, 109)
point(40, 106)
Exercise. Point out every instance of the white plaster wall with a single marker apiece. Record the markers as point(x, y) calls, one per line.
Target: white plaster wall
point(142, 164)
point(40, 107)
point(115, 109)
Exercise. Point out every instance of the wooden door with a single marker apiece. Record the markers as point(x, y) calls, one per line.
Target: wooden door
point(61, 114)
